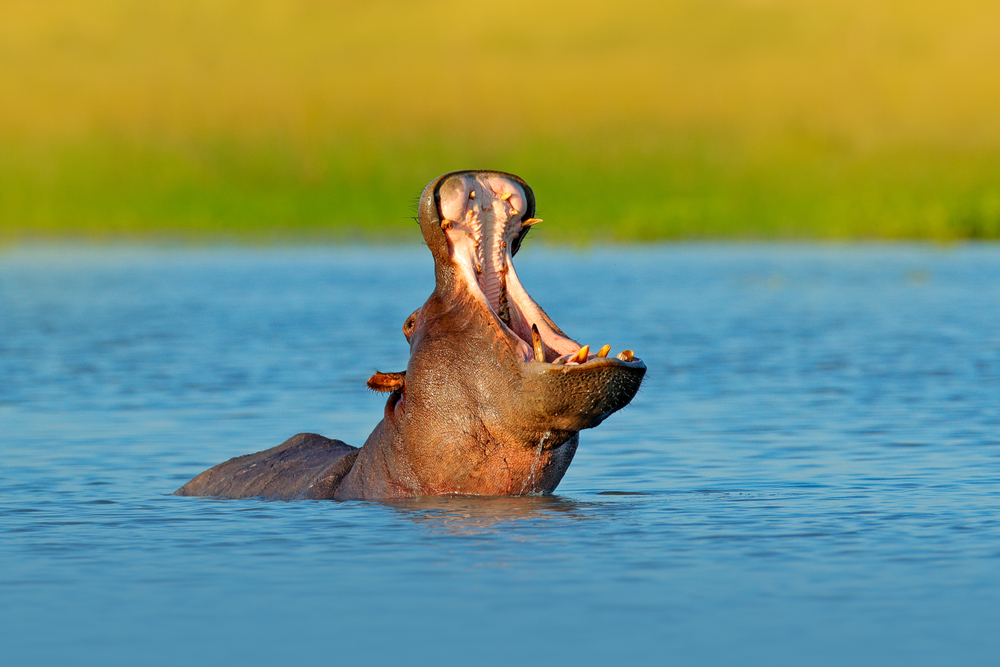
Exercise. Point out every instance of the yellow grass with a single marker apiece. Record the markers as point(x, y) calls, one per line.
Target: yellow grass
point(749, 93)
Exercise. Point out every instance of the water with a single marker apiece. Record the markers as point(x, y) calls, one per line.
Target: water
point(808, 476)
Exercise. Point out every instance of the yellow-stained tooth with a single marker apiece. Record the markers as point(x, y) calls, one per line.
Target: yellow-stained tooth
point(626, 355)
point(581, 355)
point(603, 352)
point(536, 342)
point(530, 221)
point(505, 196)
point(446, 224)
point(472, 194)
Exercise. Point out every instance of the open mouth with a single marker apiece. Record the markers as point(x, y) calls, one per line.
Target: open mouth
point(485, 216)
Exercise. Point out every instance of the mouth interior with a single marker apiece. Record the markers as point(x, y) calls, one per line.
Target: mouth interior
point(483, 215)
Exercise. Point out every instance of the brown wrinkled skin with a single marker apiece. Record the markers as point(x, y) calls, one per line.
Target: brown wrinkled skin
point(470, 415)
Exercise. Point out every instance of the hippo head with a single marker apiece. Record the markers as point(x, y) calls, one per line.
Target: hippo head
point(494, 393)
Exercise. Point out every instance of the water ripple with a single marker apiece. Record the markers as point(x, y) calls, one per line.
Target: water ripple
point(810, 470)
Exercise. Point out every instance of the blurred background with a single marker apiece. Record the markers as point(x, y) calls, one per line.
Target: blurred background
point(286, 120)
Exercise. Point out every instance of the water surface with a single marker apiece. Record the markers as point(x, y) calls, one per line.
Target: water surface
point(808, 476)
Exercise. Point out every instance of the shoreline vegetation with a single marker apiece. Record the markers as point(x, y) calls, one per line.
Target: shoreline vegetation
point(290, 121)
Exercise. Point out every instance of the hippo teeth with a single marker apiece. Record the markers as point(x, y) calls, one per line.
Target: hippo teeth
point(503, 306)
point(582, 355)
point(536, 343)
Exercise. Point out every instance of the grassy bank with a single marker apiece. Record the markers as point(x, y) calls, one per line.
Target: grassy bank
point(646, 120)
point(639, 189)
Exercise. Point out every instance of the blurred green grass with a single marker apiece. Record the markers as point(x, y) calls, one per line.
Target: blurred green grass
point(281, 121)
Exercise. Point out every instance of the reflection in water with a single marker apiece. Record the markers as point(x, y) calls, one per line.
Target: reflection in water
point(471, 514)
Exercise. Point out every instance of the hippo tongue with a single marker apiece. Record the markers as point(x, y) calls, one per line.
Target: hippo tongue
point(482, 214)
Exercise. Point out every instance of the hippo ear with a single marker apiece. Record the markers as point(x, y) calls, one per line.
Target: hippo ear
point(387, 382)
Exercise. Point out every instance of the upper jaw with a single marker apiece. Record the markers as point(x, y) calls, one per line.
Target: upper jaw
point(482, 217)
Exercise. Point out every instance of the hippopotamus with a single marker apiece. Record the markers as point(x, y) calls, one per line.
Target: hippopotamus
point(494, 394)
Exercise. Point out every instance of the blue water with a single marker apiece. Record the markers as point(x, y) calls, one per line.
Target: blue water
point(810, 474)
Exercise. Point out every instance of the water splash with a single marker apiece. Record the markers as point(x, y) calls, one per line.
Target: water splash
point(534, 464)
